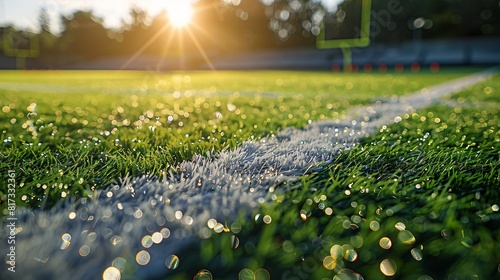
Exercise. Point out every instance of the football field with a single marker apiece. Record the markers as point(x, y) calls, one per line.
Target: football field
point(252, 174)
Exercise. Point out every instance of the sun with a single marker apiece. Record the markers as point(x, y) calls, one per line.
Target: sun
point(179, 12)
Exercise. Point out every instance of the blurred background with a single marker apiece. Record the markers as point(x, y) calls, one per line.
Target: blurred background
point(244, 34)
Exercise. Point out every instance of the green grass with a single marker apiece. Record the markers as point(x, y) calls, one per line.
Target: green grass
point(429, 183)
point(90, 128)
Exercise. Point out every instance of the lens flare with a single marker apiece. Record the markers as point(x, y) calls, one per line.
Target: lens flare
point(180, 13)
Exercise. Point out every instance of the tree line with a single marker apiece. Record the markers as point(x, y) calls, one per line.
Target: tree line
point(235, 26)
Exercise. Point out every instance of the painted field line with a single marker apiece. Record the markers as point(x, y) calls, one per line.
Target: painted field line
point(146, 220)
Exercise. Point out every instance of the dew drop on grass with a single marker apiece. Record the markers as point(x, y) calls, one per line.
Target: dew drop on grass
point(119, 263)
point(147, 241)
point(236, 227)
point(385, 243)
point(84, 251)
point(425, 277)
point(66, 238)
point(246, 274)
point(111, 273)
point(211, 223)
point(203, 275)
point(172, 262)
point(388, 267)
point(142, 257)
point(218, 228)
point(267, 219)
point(400, 226)
point(262, 274)
point(357, 241)
point(288, 246)
point(157, 237)
point(349, 253)
point(347, 274)
point(235, 242)
point(374, 225)
point(337, 252)
point(416, 253)
point(256, 218)
point(406, 237)
point(178, 214)
point(329, 262)
point(165, 232)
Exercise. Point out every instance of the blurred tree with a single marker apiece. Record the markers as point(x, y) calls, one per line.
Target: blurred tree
point(48, 41)
point(222, 26)
point(84, 37)
point(391, 20)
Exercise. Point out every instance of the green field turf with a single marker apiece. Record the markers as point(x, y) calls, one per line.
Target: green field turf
point(69, 132)
point(417, 200)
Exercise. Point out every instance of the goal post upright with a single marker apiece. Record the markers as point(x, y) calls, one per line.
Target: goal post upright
point(11, 43)
point(345, 44)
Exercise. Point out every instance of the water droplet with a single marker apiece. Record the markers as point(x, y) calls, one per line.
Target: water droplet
point(172, 262)
point(425, 277)
point(262, 274)
point(218, 228)
point(142, 258)
point(357, 241)
point(188, 220)
point(337, 252)
point(400, 226)
point(347, 274)
point(211, 223)
point(388, 267)
point(236, 227)
point(374, 225)
point(119, 263)
point(246, 274)
point(349, 253)
point(147, 241)
point(267, 219)
point(178, 214)
point(416, 253)
point(91, 236)
point(288, 246)
point(203, 275)
point(385, 243)
point(157, 237)
point(235, 242)
point(138, 213)
point(257, 217)
point(84, 251)
point(66, 238)
point(329, 262)
point(165, 232)
point(406, 237)
point(111, 273)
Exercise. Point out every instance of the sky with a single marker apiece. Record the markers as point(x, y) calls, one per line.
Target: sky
point(24, 13)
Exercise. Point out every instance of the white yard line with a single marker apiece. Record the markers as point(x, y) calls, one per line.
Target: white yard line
point(113, 223)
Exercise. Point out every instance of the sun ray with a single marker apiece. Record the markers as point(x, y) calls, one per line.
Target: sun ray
point(147, 44)
point(200, 49)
